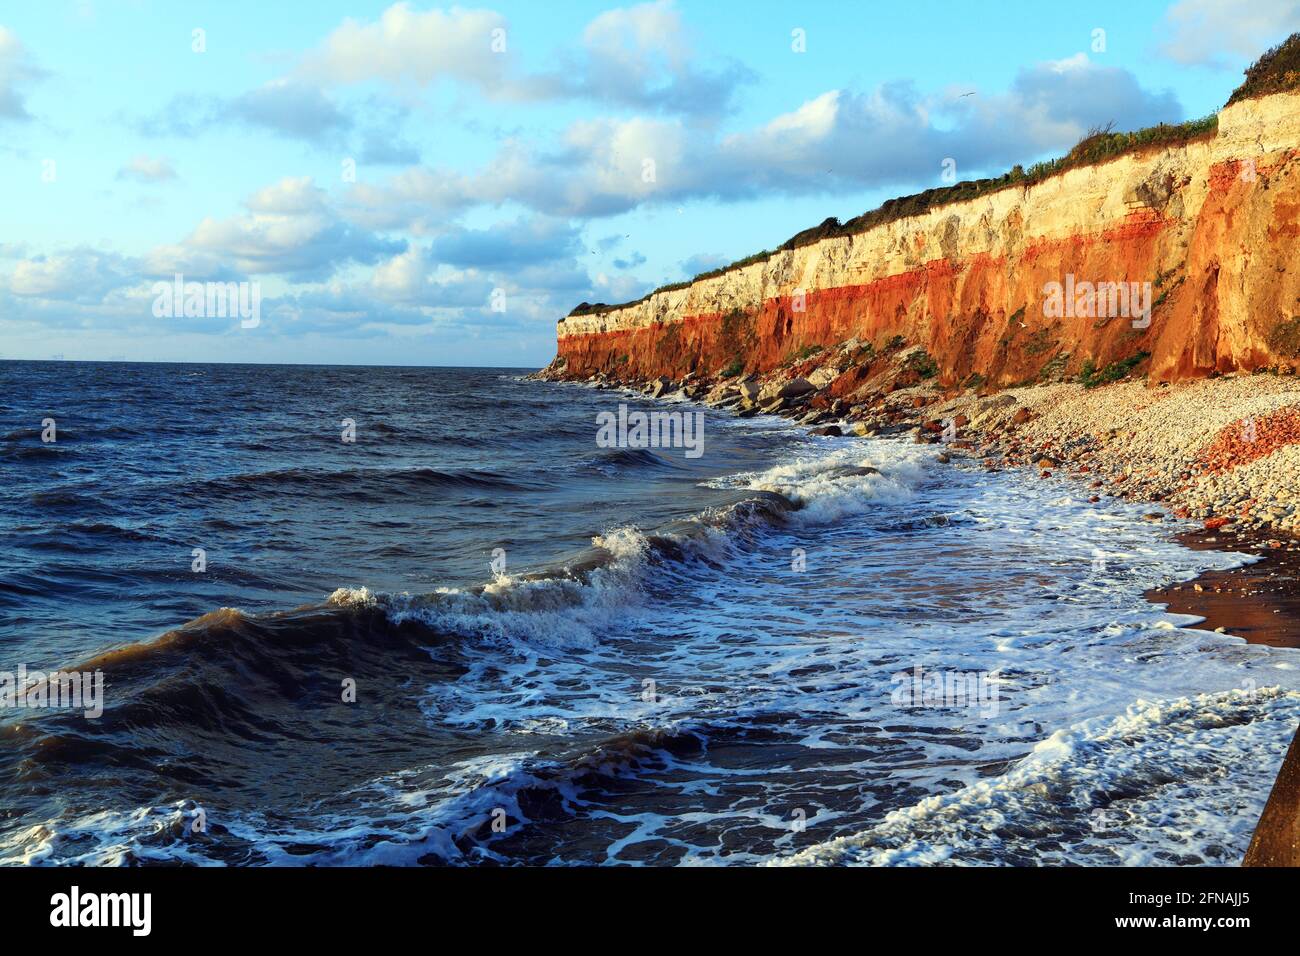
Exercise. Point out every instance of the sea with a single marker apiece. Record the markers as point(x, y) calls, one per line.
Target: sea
point(423, 616)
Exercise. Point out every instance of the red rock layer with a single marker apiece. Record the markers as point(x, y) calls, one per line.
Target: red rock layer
point(1251, 439)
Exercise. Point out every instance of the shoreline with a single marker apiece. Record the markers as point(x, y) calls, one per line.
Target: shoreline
point(1024, 428)
point(1224, 451)
point(1258, 602)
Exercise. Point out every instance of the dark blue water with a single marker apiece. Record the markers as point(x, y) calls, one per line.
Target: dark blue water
point(247, 463)
point(446, 470)
point(473, 635)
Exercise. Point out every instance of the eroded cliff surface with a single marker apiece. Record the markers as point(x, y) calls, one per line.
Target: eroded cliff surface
point(1213, 225)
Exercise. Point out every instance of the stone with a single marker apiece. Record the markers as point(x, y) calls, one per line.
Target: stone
point(821, 377)
point(794, 388)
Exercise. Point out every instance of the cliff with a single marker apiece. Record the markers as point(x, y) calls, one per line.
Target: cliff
point(1212, 224)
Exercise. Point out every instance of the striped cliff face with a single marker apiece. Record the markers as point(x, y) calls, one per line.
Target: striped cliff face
point(1205, 233)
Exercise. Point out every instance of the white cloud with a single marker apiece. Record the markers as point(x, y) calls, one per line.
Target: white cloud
point(839, 141)
point(642, 56)
point(637, 32)
point(16, 70)
point(1225, 33)
point(418, 198)
point(525, 241)
point(146, 169)
point(290, 229)
point(407, 47)
point(79, 275)
point(291, 196)
point(403, 278)
point(285, 107)
point(815, 119)
point(292, 109)
point(637, 56)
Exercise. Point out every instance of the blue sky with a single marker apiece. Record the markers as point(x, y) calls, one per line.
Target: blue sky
point(412, 184)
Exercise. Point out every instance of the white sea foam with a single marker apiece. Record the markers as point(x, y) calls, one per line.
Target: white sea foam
point(845, 481)
point(572, 610)
point(1106, 703)
point(1164, 782)
point(923, 565)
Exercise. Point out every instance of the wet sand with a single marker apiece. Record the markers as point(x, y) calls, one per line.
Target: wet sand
point(1259, 602)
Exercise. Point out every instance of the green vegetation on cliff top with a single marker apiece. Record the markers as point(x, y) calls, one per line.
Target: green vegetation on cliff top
point(1277, 71)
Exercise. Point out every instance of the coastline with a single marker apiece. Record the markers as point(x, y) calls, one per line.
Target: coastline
point(1224, 451)
point(1259, 602)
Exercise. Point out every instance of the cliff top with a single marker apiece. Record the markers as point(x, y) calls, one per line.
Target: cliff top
point(1277, 71)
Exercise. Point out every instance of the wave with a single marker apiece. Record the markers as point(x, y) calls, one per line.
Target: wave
point(570, 605)
point(530, 790)
point(939, 519)
point(567, 606)
point(258, 644)
point(62, 498)
point(24, 435)
point(37, 452)
point(359, 481)
point(616, 460)
point(85, 537)
point(414, 816)
point(108, 529)
point(1154, 785)
point(258, 695)
point(235, 706)
point(830, 487)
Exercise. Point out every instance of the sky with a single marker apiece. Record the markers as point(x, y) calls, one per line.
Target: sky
point(406, 184)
